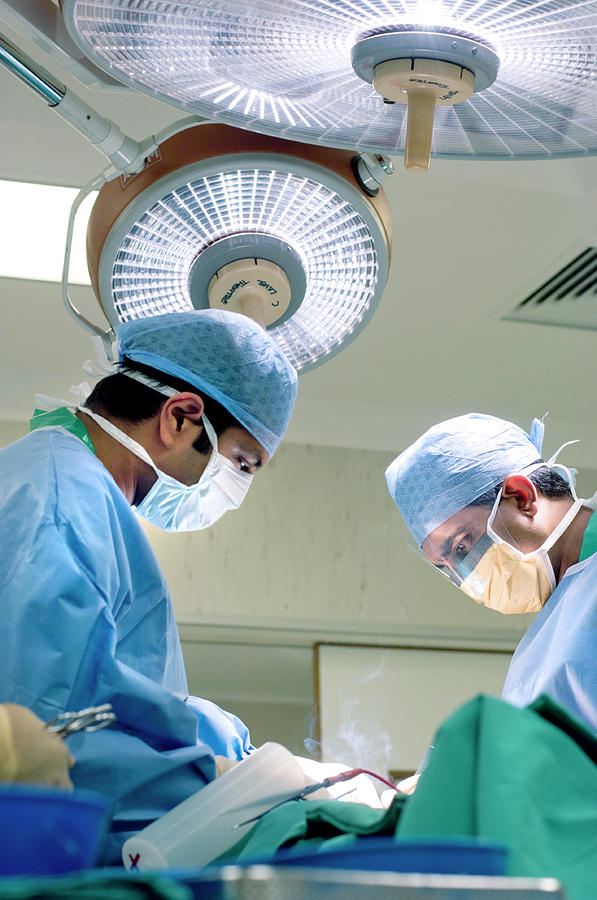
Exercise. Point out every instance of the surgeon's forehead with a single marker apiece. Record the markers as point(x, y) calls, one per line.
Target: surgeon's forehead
point(469, 522)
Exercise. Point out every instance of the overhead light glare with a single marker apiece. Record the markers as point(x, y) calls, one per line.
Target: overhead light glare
point(34, 229)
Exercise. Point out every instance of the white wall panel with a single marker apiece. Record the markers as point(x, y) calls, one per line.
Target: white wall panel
point(380, 707)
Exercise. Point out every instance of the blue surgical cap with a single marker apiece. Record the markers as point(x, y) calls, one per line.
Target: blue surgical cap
point(225, 354)
point(455, 462)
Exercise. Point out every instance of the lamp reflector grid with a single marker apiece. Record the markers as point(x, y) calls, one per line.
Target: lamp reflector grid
point(284, 67)
point(150, 271)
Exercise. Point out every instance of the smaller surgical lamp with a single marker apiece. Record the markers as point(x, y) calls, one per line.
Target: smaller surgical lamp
point(206, 215)
point(226, 219)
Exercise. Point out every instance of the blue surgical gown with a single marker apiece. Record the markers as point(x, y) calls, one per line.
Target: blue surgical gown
point(87, 619)
point(558, 654)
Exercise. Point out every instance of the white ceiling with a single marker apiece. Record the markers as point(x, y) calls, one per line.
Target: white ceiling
point(470, 239)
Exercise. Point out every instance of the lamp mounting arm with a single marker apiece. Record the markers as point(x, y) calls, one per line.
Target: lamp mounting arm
point(125, 154)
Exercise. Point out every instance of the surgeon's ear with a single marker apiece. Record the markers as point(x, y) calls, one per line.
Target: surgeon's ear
point(180, 417)
point(521, 489)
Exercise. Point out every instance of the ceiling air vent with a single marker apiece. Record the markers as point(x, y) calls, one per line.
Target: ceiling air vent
point(568, 297)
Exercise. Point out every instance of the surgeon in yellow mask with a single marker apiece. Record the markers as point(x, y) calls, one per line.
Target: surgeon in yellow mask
point(504, 569)
point(508, 529)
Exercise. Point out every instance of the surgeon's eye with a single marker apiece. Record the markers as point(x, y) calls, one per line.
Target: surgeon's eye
point(461, 550)
point(244, 466)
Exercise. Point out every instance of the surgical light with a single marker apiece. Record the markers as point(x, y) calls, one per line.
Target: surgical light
point(511, 79)
point(239, 221)
point(205, 215)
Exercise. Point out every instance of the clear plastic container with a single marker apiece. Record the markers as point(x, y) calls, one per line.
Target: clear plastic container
point(201, 828)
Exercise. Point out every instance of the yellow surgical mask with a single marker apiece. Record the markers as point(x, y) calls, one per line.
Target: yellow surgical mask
point(502, 577)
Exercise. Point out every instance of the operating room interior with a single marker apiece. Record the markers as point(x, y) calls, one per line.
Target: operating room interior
point(317, 556)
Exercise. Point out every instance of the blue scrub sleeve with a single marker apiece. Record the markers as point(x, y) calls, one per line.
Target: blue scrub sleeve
point(60, 652)
point(556, 656)
point(87, 619)
point(209, 713)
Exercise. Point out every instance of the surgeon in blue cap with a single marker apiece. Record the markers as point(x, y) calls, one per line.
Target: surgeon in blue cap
point(198, 404)
point(508, 529)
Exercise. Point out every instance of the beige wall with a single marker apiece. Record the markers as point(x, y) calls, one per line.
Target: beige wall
point(318, 547)
point(11, 431)
point(316, 553)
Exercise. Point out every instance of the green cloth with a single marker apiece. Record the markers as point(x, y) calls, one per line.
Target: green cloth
point(93, 885)
point(526, 778)
point(314, 825)
point(64, 417)
point(589, 541)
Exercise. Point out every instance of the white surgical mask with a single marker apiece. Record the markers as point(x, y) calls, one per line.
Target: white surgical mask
point(173, 506)
point(502, 577)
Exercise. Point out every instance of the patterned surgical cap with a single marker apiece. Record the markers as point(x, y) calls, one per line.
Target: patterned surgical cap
point(225, 354)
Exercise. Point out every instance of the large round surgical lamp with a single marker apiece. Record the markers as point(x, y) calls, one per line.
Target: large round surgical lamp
point(226, 219)
point(505, 79)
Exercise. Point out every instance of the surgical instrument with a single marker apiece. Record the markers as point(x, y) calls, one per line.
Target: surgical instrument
point(311, 788)
point(92, 719)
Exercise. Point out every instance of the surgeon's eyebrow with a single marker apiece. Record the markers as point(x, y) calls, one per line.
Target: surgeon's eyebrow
point(252, 457)
point(441, 554)
point(255, 456)
point(447, 548)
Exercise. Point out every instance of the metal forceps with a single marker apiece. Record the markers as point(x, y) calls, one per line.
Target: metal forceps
point(92, 719)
